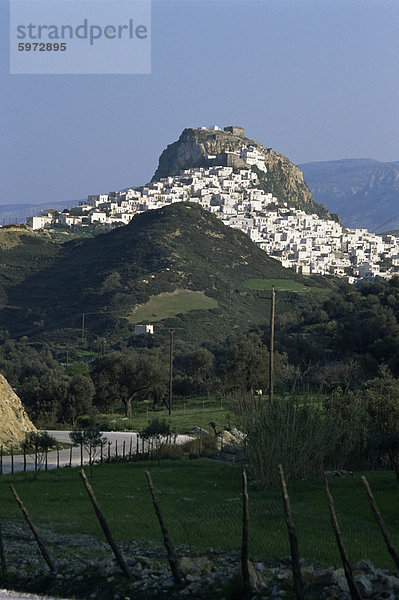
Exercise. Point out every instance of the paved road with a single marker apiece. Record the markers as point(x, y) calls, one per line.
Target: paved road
point(115, 442)
point(7, 595)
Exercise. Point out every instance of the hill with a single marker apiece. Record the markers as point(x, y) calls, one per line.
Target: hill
point(22, 254)
point(179, 264)
point(365, 192)
point(195, 146)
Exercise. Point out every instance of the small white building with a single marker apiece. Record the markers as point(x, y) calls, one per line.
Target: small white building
point(39, 222)
point(142, 329)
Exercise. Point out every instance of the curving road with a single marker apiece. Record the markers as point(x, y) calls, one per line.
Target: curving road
point(8, 594)
point(115, 442)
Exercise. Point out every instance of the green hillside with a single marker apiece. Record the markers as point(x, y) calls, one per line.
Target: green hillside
point(23, 253)
point(178, 263)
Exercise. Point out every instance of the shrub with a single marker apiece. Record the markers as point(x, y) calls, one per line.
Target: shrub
point(299, 435)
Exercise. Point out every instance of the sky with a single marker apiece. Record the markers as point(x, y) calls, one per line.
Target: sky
point(313, 79)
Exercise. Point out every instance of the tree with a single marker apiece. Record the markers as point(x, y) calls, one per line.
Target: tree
point(129, 377)
point(139, 375)
point(39, 443)
point(105, 376)
point(246, 367)
point(388, 444)
point(157, 431)
point(44, 397)
point(91, 439)
point(79, 398)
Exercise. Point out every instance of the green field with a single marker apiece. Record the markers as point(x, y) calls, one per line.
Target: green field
point(282, 285)
point(170, 304)
point(193, 411)
point(201, 504)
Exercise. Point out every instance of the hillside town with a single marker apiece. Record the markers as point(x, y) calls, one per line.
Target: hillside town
point(230, 188)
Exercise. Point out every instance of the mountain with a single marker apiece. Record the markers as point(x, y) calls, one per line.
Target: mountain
point(17, 213)
point(364, 192)
point(179, 264)
point(195, 146)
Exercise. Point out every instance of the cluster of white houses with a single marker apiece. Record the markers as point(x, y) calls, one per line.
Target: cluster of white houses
point(301, 241)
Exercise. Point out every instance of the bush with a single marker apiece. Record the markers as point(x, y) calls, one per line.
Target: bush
point(299, 435)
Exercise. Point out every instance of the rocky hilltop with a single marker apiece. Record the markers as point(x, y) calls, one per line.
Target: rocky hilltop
point(206, 147)
point(14, 422)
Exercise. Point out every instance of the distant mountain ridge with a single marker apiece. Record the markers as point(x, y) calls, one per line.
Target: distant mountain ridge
point(17, 213)
point(364, 192)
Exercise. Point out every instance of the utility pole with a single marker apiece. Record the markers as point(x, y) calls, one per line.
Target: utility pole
point(271, 349)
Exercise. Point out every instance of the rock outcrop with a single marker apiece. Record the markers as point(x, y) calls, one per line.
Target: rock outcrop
point(14, 421)
point(199, 147)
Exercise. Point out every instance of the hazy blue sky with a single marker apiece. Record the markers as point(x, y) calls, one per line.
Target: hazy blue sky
point(314, 79)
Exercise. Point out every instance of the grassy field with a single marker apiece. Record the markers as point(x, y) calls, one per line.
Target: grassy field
point(194, 411)
point(170, 304)
point(201, 504)
point(282, 285)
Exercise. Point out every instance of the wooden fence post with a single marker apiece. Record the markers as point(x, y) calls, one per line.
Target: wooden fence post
point(58, 457)
point(380, 522)
point(12, 461)
point(116, 450)
point(137, 445)
point(81, 454)
point(70, 456)
point(38, 538)
point(354, 592)
point(296, 568)
point(177, 576)
point(118, 556)
point(244, 548)
point(45, 460)
point(24, 459)
point(3, 557)
point(123, 450)
point(130, 448)
point(109, 451)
